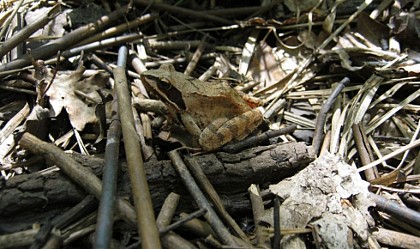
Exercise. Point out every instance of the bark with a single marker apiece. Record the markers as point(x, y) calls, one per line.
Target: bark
point(26, 198)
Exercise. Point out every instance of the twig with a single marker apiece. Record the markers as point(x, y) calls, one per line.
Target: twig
point(180, 222)
point(326, 143)
point(275, 109)
point(18, 239)
point(168, 210)
point(18, 90)
point(137, 63)
point(362, 146)
point(405, 190)
point(390, 207)
point(223, 234)
point(390, 155)
point(20, 36)
point(173, 45)
point(233, 12)
point(88, 204)
point(144, 131)
point(208, 188)
point(183, 11)
point(114, 41)
point(9, 20)
point(396, 239)
point(197, 226)
point(142, 200)
point(64, 42)
point(257, 212)
point(292, 82)
point(196, 57)
point(99, 62)
point(119, 29)
point(277, 229)
point(11, 125)
point(380, 8)
point(254, 140)
point(171, 239)
point(322, 115)
point(79, 174)
point(105, 217)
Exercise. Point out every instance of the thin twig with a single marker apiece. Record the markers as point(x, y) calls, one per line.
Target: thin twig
point(183, 11)
point(258, 139)
point(24, 33)
point(397, 211)
point(171, 239)
point(390, 155)
point(292, 83)
point(208, 188)
point(105, 217)
point(119, 29)
point(87, 205)
point(223, 234)
point(180, 222)
point(141, 195)
point(11, 125)
point(277, 228)
point(322, 115)
point(196, 57)
point(51, 48)
point(258, 211)
point(79, 174)
point(9, 20)
point(362, 146)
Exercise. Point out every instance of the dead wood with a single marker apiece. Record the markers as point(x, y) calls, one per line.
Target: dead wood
point(50, 189)
point(287, 56)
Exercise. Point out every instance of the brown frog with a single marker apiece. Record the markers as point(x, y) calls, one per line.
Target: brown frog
point(212, 112)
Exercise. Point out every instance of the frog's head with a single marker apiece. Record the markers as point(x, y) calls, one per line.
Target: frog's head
point(164, 83)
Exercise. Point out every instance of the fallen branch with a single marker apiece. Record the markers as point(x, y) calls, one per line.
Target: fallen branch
point(45, 190)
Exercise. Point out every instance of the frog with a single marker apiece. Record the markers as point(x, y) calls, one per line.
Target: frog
point(212, 112)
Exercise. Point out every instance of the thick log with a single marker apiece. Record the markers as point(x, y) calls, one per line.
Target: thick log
point(23, 196)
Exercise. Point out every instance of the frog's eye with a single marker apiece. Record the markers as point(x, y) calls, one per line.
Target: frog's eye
point(172, 94)
point(165, 84)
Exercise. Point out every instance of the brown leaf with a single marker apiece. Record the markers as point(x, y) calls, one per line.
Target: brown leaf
point(372, 30)
point(264, 66)
point(77, 93)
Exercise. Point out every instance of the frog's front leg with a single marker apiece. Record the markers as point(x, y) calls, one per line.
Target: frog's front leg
point(191, 126)
point(222, 131)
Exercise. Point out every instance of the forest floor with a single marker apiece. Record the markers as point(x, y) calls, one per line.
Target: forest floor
point(209, 124)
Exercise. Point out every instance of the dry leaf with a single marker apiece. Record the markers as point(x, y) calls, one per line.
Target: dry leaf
point(78, 95)
point(372, 30)
point(54, 28)
point(264, 67)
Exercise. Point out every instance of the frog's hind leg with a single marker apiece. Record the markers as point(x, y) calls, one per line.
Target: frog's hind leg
point(222, 131)
point(210, 138)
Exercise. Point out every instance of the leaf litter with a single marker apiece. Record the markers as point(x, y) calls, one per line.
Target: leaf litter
point(288, 57)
